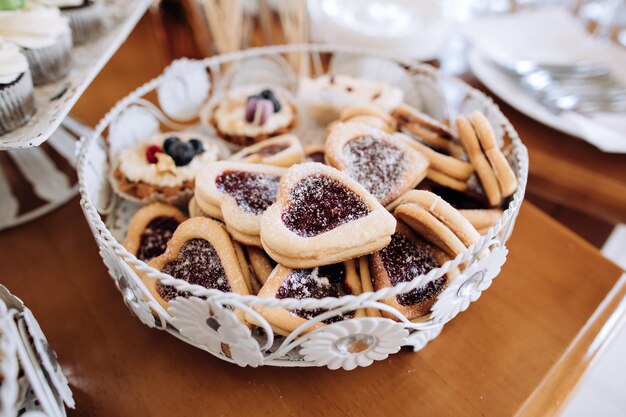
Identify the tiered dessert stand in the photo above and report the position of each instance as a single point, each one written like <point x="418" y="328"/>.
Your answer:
<point x="25" y="162"/>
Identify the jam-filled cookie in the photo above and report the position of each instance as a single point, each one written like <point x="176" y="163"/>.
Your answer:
<point x="324" y="281"/>
<point x="437" y="221"/>
<point x="250" y="114"/>
<point x="242" y="192"/>
<point x="443" y="169"/>
<point x="472" y="205"/>
<point x="200" y="252"/>
<point x="404" y="259"/>
<point x="283" y="151"/>
<point x="384" y="165"/>
<point x="369" y="116"/>
<point x="150" y="228"/>
<point x="493" y="170"/>
<point x="325" y="97"/>
<point x="323" y="216"/>
<point x="314" y="153"/>
<point x="163" y="168"/>
<point x="424" y="128"/>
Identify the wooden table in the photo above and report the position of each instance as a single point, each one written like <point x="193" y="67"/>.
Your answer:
<point x="518" y="351"/>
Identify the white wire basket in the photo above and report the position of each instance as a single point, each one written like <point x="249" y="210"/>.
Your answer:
<point x="207" y="319"/>
<point x="32" y="382"/>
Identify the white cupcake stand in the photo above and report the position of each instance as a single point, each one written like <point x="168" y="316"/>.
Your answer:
<point x="27" y="163"/>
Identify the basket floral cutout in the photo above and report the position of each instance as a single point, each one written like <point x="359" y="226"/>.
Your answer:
<point x="353" y="343"/>
<point x="210" y="319"/>
<point x="467" y="288"/>
<point x="215" y="328"/>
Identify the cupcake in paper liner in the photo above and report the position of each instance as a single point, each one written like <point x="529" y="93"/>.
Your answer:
<point x="45" y="38"/>
<point x="17" y="104"/>
<point x="85" y="17"/>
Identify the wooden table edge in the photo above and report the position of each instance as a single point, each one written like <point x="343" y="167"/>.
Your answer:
<point x="560" y="382"/>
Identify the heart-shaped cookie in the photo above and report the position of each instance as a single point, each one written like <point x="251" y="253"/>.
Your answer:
<point x="443" y="169"/>
<point x="323" y="216"/>
<point x="202" y="253"/>
<point x="437" y="221"/>
<point x="472" y="205"/>
<point x="404" y="259"/>
<point x="384" y="165"/>
<point x="150" y="228"/>
<point x="493" y="170"/>
<point x="242" y="192"/>
<point x="282" y="151"/>
<point x="324" y="281"/>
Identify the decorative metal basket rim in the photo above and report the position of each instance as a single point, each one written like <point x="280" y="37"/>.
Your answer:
<point x="518" y="150"/>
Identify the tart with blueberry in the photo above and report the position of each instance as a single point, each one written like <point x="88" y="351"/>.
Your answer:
<point x="164" y="168"/>
<point x="250" y="114"/>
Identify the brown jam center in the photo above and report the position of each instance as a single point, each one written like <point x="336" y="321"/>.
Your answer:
<point x="154" y="238"/>
<point x="375" y="164"/>
<point x="316" y="157"/>
<point x="253" y="191"/>
<point x="319" y="203"/>
<point x="404" y="260"/>
<point x="267" y="150"/>
<point x="320" y="282"/>
<point x="197" y="263"/>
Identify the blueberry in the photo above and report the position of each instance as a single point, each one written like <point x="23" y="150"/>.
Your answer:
<point x="276" y="104"/>
<point x="181" y="152"/>
<point x="196" y="145"/>
<point x="267" y="94"/>
<point x="169" y="142"/>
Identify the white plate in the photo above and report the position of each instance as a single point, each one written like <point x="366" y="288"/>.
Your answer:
<point x="513" y="94"/>
<point x="87" y="61"/>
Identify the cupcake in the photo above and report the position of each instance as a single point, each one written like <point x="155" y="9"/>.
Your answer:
<point x="16" y="88"/>
<point x="45" y="38"/>
<point x="85" y="17"/>
<point x="250" y="114"/>
<point x="164" y="168"/>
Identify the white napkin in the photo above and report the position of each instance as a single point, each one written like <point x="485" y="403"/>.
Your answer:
<point x="553" y="35"/>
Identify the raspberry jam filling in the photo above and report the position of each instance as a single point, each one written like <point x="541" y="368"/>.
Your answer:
<point x="154" y="238"/>
<point x="254" y="192"/>
<point x="375" y="164"/>
<point x="197" y="263"/>
<point x="316" y="157"/>
<point x="319" y="282"/>
<point x="404" y="260"/>
<point x="319" y="203"/>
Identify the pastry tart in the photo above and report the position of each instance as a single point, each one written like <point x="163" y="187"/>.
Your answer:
<point x="322" y="216"/>
<point x="404" y="259"/>
<point x="437" y="221"/>
<point x="384" y="165"/>
<point x="201" y="253"/>
<point x="493" y="170"/>
<point x="150" y="228"/>
<point x="241" y="192"/>
<point x="164" y="168"/>
<point x="250" y="114"/>
<point x="325" y="97"/>
<point x="283" y="151"/>
<point x="319" y="282"/>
